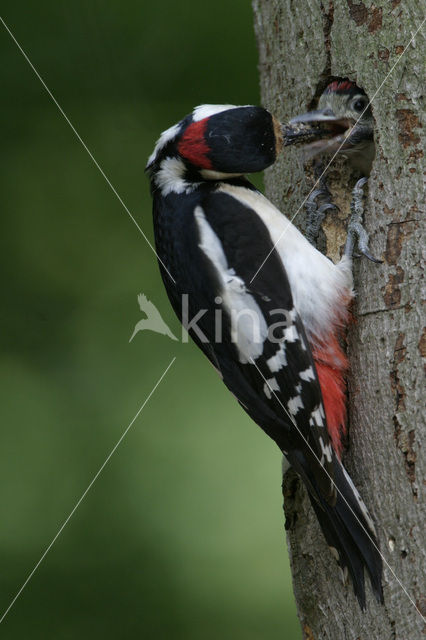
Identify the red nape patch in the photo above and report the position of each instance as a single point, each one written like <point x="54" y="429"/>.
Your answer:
<point x="193" y="146"/>
<point x="340" y="86"/>
<point x="331" y="364"/>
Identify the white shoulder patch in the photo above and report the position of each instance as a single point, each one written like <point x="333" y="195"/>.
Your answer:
<point x="248" y="325"/>
<point x="207" y="110"/>
<point x="321" y="290"/>
<point x="210" y="243"/>
<point x="165" y="137"/>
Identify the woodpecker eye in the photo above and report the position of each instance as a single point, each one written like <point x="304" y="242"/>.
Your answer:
<point x="359" y="104"/>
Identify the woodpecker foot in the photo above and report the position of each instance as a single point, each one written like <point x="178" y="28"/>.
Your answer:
<point x="316" y="206"/>
<point x="356" y="232"/>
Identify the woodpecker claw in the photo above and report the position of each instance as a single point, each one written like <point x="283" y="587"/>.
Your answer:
<point x="355" y="229"/>
<point x="327" y="205"/>
<point x="314" y="195"/>
<point x="360" y="183"/>
<point x="316" y="210"/>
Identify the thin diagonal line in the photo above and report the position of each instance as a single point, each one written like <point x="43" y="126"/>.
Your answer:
<point x="83" y="495"/>
<point x="341" y="494"/>
<point x="84" y="145"/>
<point x="341" y="145"/>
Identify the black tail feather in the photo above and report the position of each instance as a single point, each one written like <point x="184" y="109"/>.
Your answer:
<point x="348" y="528"/>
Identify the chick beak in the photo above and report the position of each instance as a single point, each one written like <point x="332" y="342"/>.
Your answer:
<point x="319" y="131"/>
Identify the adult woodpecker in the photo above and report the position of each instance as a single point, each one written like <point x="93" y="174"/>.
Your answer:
<point x="343" y="124"/>
<point x="223" y="246"/>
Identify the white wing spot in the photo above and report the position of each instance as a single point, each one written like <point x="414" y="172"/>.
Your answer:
<point x="317" y="417"/>
<point x="307" y="375"/>
<point x="279" y="360"/>
<point x="292" y="314"/>
<point x="290" y="334"/>
<point x="270" y="385"/>
<point x="326" y="452"/>
<point x="294" y="404"/>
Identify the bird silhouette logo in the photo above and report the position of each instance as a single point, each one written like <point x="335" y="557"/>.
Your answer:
<point x="153" y="320"/>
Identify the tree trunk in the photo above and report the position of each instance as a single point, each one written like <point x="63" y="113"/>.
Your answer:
<point x="301" y="46"/>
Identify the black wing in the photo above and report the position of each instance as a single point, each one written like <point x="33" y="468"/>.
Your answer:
<point x="272" y="374"/>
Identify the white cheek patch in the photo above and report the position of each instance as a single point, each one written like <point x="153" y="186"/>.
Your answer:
<point x="170" y="177"/>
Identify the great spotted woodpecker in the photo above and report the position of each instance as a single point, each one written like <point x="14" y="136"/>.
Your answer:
<point x="213" y="232"/>
<point x="343" y="123"/>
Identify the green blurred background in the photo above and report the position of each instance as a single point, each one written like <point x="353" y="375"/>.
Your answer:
<point x="181" y="536"/>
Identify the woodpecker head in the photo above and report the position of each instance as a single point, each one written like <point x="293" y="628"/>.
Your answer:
<point x="343" y="122"/>
<point x="215" y="142"/>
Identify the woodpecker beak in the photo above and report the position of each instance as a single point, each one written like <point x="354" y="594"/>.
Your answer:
<point x="319" y="131"/>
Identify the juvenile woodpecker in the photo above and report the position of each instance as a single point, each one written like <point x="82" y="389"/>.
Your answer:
<point x="343" y="122"/>
<point x="222" y="245"/>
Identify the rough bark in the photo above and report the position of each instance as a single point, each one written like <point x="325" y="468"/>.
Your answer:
<point x="301" y="46"/>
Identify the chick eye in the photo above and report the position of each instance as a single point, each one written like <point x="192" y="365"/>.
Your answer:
<point x="359" y="104"/>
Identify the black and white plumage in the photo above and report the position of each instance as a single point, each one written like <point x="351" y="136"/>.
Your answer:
<point x="213" y="231"/>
